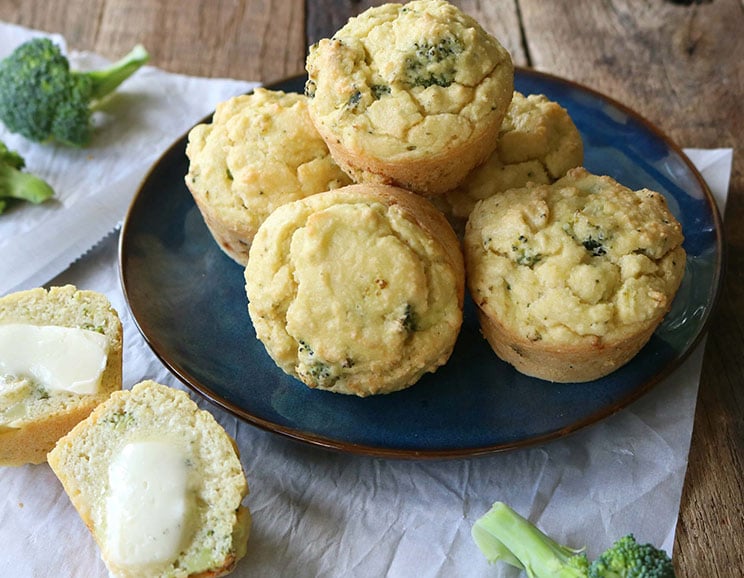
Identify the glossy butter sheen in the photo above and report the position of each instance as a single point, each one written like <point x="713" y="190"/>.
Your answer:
<point x="57" y="358"/>
<point x="148" y="505"/>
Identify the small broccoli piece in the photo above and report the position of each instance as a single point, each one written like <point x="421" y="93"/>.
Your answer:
<point x="502" y="534"/>
<point x="433" y="63"/>
<point x="42" y="99"/>
<point x="12" y="158"/>
<point x="524" y="254"/>
<point x="379" y="90"/>
<point x="595" y="245"/>
<point x="16" y="184"/>
<point x="627" y="558"/>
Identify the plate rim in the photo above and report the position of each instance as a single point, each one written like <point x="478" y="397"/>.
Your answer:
<point x="324" y="442"/>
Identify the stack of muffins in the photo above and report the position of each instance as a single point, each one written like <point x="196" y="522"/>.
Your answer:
<point x="347" y="206"/>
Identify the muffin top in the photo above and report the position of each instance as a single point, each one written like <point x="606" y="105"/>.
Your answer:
<point x="407" y="81"/>
<point x="260" y="151"/>
<point x="538" y="142"/>
<point x="581" y="258"/>
<point x="357" y="290"/>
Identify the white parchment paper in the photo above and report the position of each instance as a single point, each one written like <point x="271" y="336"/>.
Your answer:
<point x="319" y="513"/>
<point x="94" y="185"/>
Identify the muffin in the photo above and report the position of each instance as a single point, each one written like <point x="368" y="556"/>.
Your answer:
<point x="357" y="291"/>
<point x="60" y="356"/>
<point x="571" y="279"/>
<point x="159" y="484"/>
<point x="411" y="95"/>
<point x="260" y="150"/>
<point x="538" y="142"/>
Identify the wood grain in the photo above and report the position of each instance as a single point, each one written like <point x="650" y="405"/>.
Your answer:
<point x="681" y="67"/>
<point x="679" y="64"/>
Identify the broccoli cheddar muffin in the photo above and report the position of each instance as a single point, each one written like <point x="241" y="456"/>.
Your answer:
<point x="260" y="150"/>
<point x="571" y="279"/>
<point x="538" y="143"/>
<point x="358" y="290"/>
<point x="411" y="95"/>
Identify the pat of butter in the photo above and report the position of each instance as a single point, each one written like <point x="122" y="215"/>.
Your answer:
<point x="148" y="504"/>
<point x="57" y="358"/>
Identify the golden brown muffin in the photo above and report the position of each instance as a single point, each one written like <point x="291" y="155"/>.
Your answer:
<point x="35" y="409"/>
<point x="358" y="290"/>
<point x="410" y="94"/>
<point x="538" y="143"/>
<point x="571" y="279"/>
<point x="260" y="150"/>
<point x="158" y="483"/>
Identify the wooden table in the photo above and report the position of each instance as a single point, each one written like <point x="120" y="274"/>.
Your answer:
<point x="679" y="64"/>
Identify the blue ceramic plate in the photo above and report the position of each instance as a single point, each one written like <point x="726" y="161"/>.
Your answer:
<point x="188" y="300"/>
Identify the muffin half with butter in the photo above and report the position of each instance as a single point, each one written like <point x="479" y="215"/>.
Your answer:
<point x="159" y="484"/>
<point x="60" y="356"/>
<point x="572" y="279"/>
<point x="260" y="150"/>
<point x="411" y="94"/>
<point x="357" y="291"/>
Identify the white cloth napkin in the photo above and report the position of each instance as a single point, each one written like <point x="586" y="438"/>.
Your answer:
<point x="318" y="513"/>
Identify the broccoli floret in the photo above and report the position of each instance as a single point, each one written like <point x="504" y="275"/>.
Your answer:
<point x="627" y="558"/>
<point x="16" y="184"/>
<point x="42" y="99"/>
<point x="502" y="534"/>
<point x="433" y="63"/>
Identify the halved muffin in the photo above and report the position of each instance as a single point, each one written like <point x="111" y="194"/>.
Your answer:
<point x="60" y="356"/>
<point x="159" y="484"/>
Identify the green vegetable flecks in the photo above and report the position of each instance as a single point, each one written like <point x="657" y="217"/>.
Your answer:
<point x="17" y="184"/>
<point x="433" y="63"/>
<point x="43" y="100"/>
<point x="502" y="534"/>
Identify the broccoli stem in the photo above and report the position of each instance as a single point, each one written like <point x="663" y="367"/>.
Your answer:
<point x="25" y="186"/>
<point x="502" y="534"/>
<point x="106" y="80"/>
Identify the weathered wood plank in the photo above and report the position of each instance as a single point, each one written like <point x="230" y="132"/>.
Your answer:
<point x="679" y="65"/>
<point x="249" y="40"/>
<point x="499" y="18"/>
